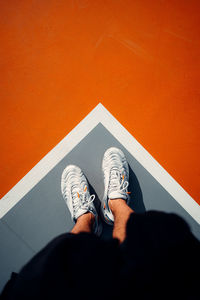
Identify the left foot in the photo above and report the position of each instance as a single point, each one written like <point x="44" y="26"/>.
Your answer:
<point x="75" y="191"/>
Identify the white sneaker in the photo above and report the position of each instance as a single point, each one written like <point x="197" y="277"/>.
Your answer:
<point x="75" y="191"/>
<point x="116" y="180"/>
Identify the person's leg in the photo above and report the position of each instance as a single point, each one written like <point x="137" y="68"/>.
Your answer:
<point x="84" y="223"/>
<point x="75" y="191"/>
<point x="121" y="212"/>
<point x="114" y="207"/>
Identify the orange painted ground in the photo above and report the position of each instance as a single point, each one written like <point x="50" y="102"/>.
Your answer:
<point x="140" y="59"/>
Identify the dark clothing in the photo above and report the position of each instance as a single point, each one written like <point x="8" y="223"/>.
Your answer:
<point x="158" y="260"/>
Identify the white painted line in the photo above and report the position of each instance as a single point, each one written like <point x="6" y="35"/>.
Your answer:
<point x="150" y="164"/>
<point x="99" y="115"/>
<point x="48" y="162"/>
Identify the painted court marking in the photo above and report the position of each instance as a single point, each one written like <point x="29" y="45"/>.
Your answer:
<point x="99" y="115"/>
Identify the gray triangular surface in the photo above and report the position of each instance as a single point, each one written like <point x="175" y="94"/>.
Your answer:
<point x="42" y="213"/>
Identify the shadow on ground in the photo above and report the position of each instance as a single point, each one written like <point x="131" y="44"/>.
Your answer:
<point x="136" y="202"/>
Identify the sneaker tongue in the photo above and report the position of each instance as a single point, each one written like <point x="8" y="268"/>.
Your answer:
<point x="117" y="195"/>
<point x="83" y="211"/>
<point x="80" y="212"/>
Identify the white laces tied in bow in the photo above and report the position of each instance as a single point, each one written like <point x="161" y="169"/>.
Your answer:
<point x="80" y="201"/>
<point x="115" y="185"/>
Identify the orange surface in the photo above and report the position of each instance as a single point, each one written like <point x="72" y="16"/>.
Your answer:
<point x="140" y="59"/>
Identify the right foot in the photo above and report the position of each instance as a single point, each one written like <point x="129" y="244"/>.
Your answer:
<point x="116" y="180"/>
<point x="75" y="191"/>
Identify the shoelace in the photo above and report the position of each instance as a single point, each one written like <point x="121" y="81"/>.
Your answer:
<point x="115" y="185"/>
<point x="79" y="199"/>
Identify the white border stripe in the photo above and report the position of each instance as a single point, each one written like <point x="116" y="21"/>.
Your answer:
<point x="151" y="165"/>
<point x="99" y="115"/>
<point x="48" y="162"/>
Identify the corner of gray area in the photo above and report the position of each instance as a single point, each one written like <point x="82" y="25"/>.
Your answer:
<point x="14" y="253"/>
<point x="42" y="213"/>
